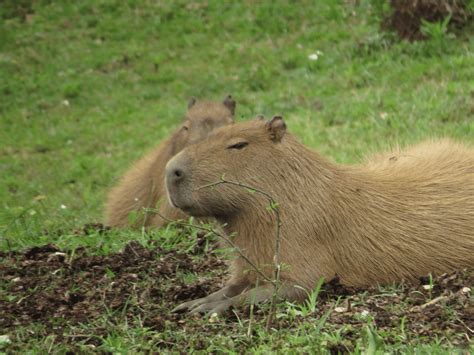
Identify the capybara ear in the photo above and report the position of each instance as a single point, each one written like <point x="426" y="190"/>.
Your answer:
<point x="230" y="103"/>
<point x="191" y="102"/>
<point x="277" y="128"/>
<point x="260" y="117"/>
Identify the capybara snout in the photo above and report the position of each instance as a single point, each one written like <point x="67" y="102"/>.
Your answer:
<point x="177" y="176"/>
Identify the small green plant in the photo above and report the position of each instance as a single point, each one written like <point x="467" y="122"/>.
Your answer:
<point x="110" y="274"/>
<point x="309" y="306"/>
<point x="436" y="31"/>
<point x="402" y="335"/>
<point x="374" y="342"/>
<point x="429" y="286"/>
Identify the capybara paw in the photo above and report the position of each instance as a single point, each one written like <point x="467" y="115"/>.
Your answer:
<point x="188" y="305"/>
<point x="216" y="307"/>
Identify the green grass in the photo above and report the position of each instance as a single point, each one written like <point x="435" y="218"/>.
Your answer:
<point x="87" y="87"/>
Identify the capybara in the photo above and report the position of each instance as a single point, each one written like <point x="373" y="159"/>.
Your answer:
<point x="142" y="186"/>
<point x="404" y="215"/>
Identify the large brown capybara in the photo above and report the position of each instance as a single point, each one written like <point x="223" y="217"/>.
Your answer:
<point x="143" y="185"/>
<point x="398" y="217"/>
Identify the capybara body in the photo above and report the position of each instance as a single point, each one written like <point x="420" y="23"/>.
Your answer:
<point x="400" y="216"/>
<point x="142" y="186"/>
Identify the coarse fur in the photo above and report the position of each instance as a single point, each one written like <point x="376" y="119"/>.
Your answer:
<point x="399" y="216"/>
<point x="142" y="186"/>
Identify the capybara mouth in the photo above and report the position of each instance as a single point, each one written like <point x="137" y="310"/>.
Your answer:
<point x="171" y="192"/>
<point x="190" y="209"/>
<point x="172" y="202"/>
<point x="176" y="200"/>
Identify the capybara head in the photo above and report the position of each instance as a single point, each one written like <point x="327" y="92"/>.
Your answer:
<point x="143" y="185"/>
<point x="202" y="118"/>
<point x="246" y="152"/>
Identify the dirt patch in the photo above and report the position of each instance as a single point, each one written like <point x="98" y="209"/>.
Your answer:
<point x="61" y="289"/>
<point x="440" y="308"/>
<point x="57" y="288"/>
<point x="406" y="17"/>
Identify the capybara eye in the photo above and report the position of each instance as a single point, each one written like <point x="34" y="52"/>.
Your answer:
<point x="185" y="128"/>
<point x="239" y="145"/>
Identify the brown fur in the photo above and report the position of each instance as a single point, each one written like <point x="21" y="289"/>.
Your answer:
<point x="399" y="216"/>
<point x="142" y="185"/>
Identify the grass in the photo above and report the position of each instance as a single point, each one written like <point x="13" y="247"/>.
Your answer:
<point x="87" y="87"/>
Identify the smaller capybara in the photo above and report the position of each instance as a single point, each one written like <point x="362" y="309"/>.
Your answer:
<point x="143" y="185"/>
<point x="398" y="217"/>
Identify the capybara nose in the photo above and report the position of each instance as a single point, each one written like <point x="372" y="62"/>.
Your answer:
<point x="175" y="175"/>
<point x="175" y="172"/>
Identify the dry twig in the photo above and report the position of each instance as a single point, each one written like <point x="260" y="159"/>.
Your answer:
<point x="275" y="208"/>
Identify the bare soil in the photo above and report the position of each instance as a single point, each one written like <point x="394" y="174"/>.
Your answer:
<point x="60" y="289"/>
<point x="406" y="17"/>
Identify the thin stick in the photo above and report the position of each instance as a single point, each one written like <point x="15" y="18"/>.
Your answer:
<point x="273" y="205"/>
<point x="275" y="208"/>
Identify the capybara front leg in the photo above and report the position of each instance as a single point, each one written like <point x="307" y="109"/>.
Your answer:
<point x="251" y="296"/>
<point x="224" y="293"/>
